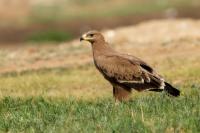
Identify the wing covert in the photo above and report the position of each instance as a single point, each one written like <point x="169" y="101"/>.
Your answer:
<point x="121" y="69"/>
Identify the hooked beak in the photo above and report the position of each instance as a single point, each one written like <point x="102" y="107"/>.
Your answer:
<point x="81" y="39"/>
<point x="84" y="38"/>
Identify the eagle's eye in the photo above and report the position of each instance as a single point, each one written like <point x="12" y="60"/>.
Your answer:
<point x="91" y="35"/>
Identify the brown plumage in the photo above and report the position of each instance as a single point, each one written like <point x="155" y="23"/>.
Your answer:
<point x="125" y="72"/>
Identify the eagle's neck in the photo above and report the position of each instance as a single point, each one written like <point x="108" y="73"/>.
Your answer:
<point x="101" y="48"/>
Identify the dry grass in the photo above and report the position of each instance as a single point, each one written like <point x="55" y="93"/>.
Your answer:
<point x="57" y="83"/>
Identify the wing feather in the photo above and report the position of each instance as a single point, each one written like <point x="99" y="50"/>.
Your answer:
<point x="128" y="71"/>
<point x="121" y="69"/>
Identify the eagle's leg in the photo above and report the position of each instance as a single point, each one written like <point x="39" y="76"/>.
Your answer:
<point x="121" y="93"/>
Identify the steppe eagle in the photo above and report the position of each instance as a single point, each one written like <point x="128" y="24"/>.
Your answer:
<point x="125" y="72"/>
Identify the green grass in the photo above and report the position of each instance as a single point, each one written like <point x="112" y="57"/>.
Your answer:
<point x="85" y="9"/>
<point x="153" y="113"/>
<point x="50" y="36"/>
<point x="40" y="101"/>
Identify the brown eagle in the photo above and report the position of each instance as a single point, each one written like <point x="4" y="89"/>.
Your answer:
<point x="123" y="71"/>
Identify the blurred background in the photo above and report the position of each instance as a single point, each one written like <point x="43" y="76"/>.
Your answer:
<point x="39" y="21"/>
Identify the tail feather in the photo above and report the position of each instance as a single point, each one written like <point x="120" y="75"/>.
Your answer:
<point x="171" y="90"/>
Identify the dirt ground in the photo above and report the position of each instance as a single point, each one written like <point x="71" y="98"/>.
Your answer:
<point x="158" y="41"/>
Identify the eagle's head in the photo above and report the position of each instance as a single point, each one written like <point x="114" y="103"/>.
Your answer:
<point x="92" y="37"/>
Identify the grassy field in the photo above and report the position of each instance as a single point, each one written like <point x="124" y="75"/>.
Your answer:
<point x="59" y="100"/>
<point x="56" y="88"/>
<point x="75" y="100"/>
<point x="147" y="113"/>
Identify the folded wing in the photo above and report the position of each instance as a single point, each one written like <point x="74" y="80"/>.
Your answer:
<point x="130" y="72"/>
